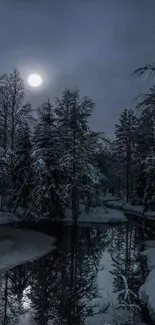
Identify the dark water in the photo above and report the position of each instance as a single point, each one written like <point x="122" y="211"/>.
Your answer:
<point x="79" y="282"/>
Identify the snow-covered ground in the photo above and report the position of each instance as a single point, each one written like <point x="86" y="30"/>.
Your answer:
<point x="98" y="215"/>
<point x="108" y="197"/>
<point x="147" y="290"/>
<point x="18" y="246"/>
<point x="6" y="218"/>
<point x="129" y="208"/>
<point x="115" y="204"/>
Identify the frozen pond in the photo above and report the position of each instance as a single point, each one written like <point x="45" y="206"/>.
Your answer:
<point x="80" y="282"/>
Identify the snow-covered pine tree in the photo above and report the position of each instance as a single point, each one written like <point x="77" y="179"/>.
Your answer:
<point x="116" y="172"/>
<point x="149" y="192"/>
<point x="46" y="199"/>
<point x="146" y="150"/>
<point x="21" y="169"/>
<point x="147" y="137"/>
<point x="77" y="145"/>
<point x="125" y="148"/>
<point x="99" y="147"/>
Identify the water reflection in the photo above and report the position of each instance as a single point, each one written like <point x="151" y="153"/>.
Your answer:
<point x="62" y="288"/>
<point x="127" y="259"/>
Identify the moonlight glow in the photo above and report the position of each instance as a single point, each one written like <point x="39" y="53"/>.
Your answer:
<point x="34" y="80"/>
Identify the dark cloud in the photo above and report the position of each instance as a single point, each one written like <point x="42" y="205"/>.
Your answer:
<point x="91" y="44"/>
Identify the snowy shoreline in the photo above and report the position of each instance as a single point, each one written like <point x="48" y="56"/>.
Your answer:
<point x="136" y="210"/>
<point x="8" y="218"/>
<point x="19" y="246"/>
<point x="96" y="215"/>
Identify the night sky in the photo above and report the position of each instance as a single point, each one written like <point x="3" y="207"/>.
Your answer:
<point x="93" y="45"/>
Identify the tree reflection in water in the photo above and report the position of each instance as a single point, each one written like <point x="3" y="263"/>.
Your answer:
<point x="61" y="286"/>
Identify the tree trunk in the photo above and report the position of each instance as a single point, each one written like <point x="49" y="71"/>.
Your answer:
<point x="127" y="181"/>
<point x="74" y="182"/>
<point x="128" y="161"/>
<point x="5" y="132"/>
<point x="12" y="133"/>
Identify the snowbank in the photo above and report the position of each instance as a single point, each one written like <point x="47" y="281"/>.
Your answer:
<point x="147" y="290"/>
<point x="137" y="210"/>
<point x="150" y="215"/>
<point x="108" y="197"/>
<point x="98" y="215"/>
<point x="134" y="209"/>
<point x="126" y="207"/>
<point x="18" y="246"/>
<point x="115" y="204"/>
<point x="6" y="217"/>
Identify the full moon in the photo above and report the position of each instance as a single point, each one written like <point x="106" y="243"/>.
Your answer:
<point x="34" y="80"/>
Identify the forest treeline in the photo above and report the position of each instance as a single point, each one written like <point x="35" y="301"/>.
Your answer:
<point x="50" y="159"/>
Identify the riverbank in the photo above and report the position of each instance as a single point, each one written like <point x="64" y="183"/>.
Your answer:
<point x="18" y="246"/>
<point x="8" y="218"/>
<point x="127" y="208"/>
<point x="95" y="215"/>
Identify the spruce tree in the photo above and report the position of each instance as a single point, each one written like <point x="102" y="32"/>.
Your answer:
<point x="46" y="198"/>
<point x="125" y="148"/>
<point x="146" y="143"/>
<point x="77" y="144"/>
<point x="21" y="169"/>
